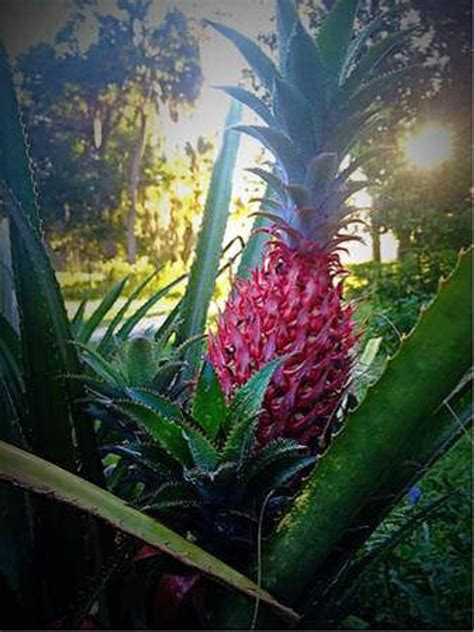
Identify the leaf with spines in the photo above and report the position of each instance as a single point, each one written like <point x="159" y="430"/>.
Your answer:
<point x="269" y="455"/>
<point x="106" y="339"/>
<point x="360" y="40"/>
<point x="306" y="71"/>
<point x="360" y="98"/>
<point x="209" y="407"/>
<point x="247" y="400"/>
<point x="280" y="472"/>
<point x="251" y="101"/>
<point x="205" y="268"/>
<point x="374" y="56"/>
<point x="293" y="111"/>
<point x="149" y="457"/>
<point x="159" y="403"/>
<point x="336" y="33"/>
<point x="167" y="433"/>
<point x="280" y="145"/>
<point x="287" y="16"/>
<point x="101" y="367"/>
<point x="273" y="181"/>
<point x="260" y="63"/>
<point x="240" y="440"/>
<point x="135" y="318"/>
<point x="88" y="327"/>
<point x="173" y="496"/>
<point x="204" y="453"/>
<point x="137" y="359"/>
<point x="78" y="319"/>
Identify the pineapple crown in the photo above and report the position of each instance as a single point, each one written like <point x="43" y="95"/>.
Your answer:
<point x="323" y="100"/>
<point x="199" y="464"/>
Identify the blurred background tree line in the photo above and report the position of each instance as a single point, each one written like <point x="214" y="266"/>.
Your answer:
<point x="105" y="185"/>
<point x="109" y="191"/>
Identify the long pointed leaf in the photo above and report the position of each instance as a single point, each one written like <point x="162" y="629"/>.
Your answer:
<point x="120" y="315"/>
<point x="281" y="147"/>
<point x="208" y="251"/>
<point x="335" y="34"/>
<point x="209" y="407"/>
<point x="42" y="477"/>
<point x="260" y="63"/>
<point x="131" y="322"/>
<point x="251" y="101"/>
<point x="90" y="325"/>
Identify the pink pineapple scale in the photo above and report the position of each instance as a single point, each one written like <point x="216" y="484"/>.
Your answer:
<point x="291" y="305"/>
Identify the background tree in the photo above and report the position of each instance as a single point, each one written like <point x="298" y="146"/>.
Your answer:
<point x="90" y="113"/>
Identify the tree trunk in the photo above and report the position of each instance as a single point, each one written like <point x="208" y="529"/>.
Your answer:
<point x="134" y="182"/>
<point x="403" y="244"/>
<point x="376" y="250"/>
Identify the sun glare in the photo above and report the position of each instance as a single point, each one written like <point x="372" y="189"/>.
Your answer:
<point x="429" y="147"/>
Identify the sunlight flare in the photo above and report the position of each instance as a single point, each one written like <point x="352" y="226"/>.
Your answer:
<point x="429" y="147"/>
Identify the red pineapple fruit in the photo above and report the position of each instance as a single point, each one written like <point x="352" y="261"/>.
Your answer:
<point x="292" y="305"/>
<point x="322" y="99"/>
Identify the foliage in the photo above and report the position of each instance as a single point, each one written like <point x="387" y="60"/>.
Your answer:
<point x="38" y="475"/>
<point x="38" y="407"/>
<point x="205" y="268"/>
<point x="425" y="581"/>
<point x="389" y="296"/>
<point x="86" y="109"/>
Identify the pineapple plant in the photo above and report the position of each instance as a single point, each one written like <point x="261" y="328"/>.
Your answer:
<point x="322" y="100"/>
<point x="196" y="465"/>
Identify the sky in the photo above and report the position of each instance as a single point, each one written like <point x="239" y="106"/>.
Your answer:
<point x="26" y="22"/>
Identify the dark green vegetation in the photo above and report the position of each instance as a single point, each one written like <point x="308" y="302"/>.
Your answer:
<point x="143" y="449"/>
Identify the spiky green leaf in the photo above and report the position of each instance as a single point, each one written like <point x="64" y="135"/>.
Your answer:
<point x="104" y="344"/>
<point x="281" y="147"/>
<point x="209" y="407"/>
<point x="135" y="318"/>
<point x="293" y="111"/>
<point x="251" y="101"/>
<point x="148" y="457"/>
<point x="260" y="63"/>
<point x="40" y="476"/>
<point x="86" y="331"/>
<point x="160" y="404"/>
<point x="166" y="433"/>
<point x="247" y="400"/>
<point x="287" y="16"/>
<point x="374" y="56"/>
<point x="102" y="368"/>
<point x="305" y="70"/>
<point x="276" y="184"/>
<point x="205" y="454"/>
<point x="335" y="34"/>
<point x="205" y="266"/>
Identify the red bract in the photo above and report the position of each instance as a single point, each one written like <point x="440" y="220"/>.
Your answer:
<point x="290" y="306"/>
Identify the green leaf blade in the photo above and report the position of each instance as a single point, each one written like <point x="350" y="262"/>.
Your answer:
<point x="205" y="267"/>
<point x="209" y="406"/>
<point x="40" y="476"/>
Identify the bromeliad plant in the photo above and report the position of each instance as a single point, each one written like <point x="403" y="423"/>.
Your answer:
<point x="199" y="466"/>
<point x="189" y="444"/>
<point x="322" y="100"/>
